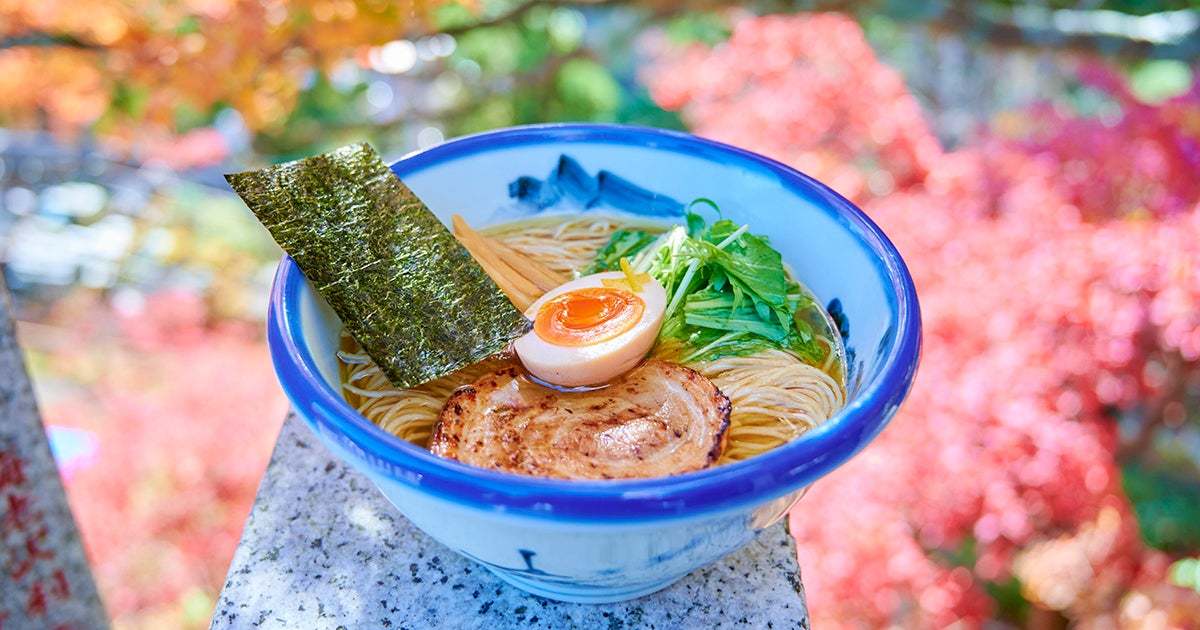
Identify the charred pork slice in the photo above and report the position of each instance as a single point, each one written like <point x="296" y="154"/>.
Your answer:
<point x="659" y="419"/>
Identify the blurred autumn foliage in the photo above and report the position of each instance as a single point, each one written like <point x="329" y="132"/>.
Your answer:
<point x="1041" y="184"/>
<point x="132" y="67"/>
<point x="184" y="410"/>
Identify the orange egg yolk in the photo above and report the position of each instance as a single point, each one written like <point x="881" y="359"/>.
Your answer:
<point x="588" y="316"/>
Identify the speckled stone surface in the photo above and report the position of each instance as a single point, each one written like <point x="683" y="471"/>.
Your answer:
<point x="324" y="549"/>
<point x="45" y="581"/>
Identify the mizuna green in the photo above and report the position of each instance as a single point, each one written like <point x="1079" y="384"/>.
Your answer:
<point x="729" y="292"/>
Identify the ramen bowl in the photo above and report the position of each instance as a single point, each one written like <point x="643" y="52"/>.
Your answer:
<point x="605" y="541"/>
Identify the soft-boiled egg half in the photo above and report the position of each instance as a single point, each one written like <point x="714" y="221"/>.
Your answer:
<point x="592" y="329"/>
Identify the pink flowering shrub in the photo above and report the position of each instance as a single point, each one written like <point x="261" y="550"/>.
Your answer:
<point x="185" y="412"/>
<point x="1059" y="285"/>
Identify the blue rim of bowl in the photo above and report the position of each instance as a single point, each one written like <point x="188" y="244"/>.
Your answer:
<point x="728" y="487"/>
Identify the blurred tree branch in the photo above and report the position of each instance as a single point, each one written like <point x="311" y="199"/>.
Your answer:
<point x="969" y="19"/>
<point x="1009" y="34"/>
<point x="519" y="11"/>
<point x="976" y="20"/>
<point x="996" y="23"/>
<point x="39" y="39"/>
<point x="537" y="79"/>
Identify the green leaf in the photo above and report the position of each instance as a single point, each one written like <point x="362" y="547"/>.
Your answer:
<point x="695" y="224"/>
<point x="717" y="280"/>
<point x="806" y="347"/>
<point x="764" y="311"/>
<point x="695" y="220"/>
<point x="622" y="244"/>
<point x="712" y="309"/>
<point x="735" y="293"/>
<point x="720" y="231"/>
<point x="759" y="268"/>
<point x="402" y="285"/>
<point x="710" y="344"/>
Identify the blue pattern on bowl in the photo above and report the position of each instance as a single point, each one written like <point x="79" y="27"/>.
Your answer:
<point x="569" y="183"/>
<point x="598" y="541"/>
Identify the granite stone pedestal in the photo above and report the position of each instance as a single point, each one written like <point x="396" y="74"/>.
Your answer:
<point x="45" y="581"/>
<point x="324" y="549"/>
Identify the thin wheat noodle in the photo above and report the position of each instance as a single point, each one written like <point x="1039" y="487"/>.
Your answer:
<point x="775" y="395"/>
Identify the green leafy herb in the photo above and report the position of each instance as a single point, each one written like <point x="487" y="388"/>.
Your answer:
<point x="717" y="309"/>
<point x="414" y="299"/>
<point x="728" y="293"/>
<point x="622" y="244"/>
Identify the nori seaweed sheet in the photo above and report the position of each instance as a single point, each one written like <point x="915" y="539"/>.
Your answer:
<point x="403" y="286"/>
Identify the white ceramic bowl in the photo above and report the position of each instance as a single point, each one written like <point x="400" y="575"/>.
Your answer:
<point x="604" y="541"/>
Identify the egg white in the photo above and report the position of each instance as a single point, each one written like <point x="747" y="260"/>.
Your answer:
<point x="593" y="364"/>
